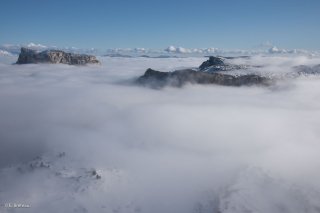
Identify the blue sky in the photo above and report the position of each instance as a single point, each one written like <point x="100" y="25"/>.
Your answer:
<point x="229" y="24"/>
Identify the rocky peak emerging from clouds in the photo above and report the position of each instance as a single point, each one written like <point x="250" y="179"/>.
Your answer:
<point x="212" y="61"/>
<point x="178" y="78"/>
<point x="29" y="56"/>
<point x="214" y="64"/>
<point x="209" y="72"/>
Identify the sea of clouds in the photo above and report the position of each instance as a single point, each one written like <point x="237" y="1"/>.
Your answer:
<point x="85" y="139"/>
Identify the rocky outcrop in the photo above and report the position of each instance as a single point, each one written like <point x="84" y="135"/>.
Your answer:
<point x="214" y="64"/>
<point x="212" y="61"/>
<point x="209" y="72"/>
<point x="29" y="56"/>
<point x="158" y="79"/>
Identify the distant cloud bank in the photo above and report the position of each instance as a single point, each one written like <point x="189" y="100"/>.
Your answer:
<point x="265" y="49"/>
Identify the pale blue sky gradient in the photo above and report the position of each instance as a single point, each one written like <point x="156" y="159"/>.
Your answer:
<point x="229" y="24"/>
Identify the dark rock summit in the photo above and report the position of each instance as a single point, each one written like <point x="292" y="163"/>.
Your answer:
<point x="212" y="61"/>
<point x="214" y="64"/>
<point x="28" y="56"/>
<point x="178" y="78"/>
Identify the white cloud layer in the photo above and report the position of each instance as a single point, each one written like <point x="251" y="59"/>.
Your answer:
<point x="264" y="49"/>
<point x="4" y="53"/>
<point x="36" y="46"/>
<point x="194" y="149"/>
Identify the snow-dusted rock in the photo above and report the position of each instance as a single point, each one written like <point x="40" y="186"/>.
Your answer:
<point x="206" y="74"/>
<point x="29" y="56"/>
<point x="178" y="78"/>
<point x="214" y="64"/>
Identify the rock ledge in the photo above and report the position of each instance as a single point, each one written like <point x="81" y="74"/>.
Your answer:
<point x="29" y="56"/>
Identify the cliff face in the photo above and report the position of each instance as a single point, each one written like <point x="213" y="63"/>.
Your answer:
<point x="28" y="56"/>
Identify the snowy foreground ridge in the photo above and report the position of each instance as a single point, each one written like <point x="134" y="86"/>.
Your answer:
<point x="83" y="139"/>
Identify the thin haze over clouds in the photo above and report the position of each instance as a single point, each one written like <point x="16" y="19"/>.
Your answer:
<point x="193" y="149"/>
<point x="290" y="24"/>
